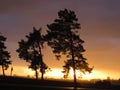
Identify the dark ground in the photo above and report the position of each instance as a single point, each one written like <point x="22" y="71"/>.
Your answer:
<point x="18" y="83"/>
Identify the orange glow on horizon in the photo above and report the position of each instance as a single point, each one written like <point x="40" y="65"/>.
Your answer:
<point x="57" y="74"/>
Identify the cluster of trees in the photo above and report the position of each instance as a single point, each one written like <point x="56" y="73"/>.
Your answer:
<point x="64" y="39"/>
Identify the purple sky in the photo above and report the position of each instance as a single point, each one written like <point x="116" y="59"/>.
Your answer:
<point x="99" y="21"/>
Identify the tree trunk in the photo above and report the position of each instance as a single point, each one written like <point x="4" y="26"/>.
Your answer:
<point x="74" y="70"/>
<point x="36" y="74"/>
<point x="11" y="71"/>
<point x="42" y="73"/>
<point x="73" y="62"/>
<point x="3" y="70"/>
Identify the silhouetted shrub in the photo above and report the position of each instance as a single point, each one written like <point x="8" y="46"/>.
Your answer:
<point x="104" y="83"/>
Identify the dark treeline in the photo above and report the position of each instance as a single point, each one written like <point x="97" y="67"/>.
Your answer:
<point x="19" y="83"/>
<point x="64" y="39"/>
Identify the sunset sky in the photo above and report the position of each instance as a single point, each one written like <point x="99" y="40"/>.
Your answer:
<point x="100" y="30"/>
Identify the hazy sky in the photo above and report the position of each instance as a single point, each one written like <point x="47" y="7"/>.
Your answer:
<point x="99" y="21"/>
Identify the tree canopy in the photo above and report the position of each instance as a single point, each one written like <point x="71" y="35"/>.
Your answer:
<point x="31" y="51"/>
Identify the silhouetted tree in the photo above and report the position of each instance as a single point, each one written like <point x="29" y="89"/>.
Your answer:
<point x="4" y="55"/>
<point x="30" y="51"/>
<point x="80" y="65"/>
<point x="63" y="36"/>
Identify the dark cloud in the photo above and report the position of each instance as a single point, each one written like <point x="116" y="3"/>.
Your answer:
<point x="98" y="18"/>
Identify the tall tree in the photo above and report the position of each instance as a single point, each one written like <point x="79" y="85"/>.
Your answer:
<point x="63" y="36"/>
<point x="4" y="55"/>
<point x="31" y="51"/>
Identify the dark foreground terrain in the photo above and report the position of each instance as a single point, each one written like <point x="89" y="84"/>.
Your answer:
<point x="17" y="83"/>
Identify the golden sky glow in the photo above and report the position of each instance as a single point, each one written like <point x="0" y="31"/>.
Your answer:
<point x="56" y="73"/>
<point x="100" y="30"/>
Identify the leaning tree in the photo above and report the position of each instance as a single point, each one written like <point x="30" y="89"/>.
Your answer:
<point x="63" y="37"/>
<point x="31" y="51"/>
<point x="4" y="55"/>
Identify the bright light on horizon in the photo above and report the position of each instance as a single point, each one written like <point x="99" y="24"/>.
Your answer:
<point x="56" y="73"/>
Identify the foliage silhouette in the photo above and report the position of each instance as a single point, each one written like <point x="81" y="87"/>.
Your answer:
<point x="30" y="51"/>
<point x="63" y="37"/>
<point x="80" y="65"/>
<point x="4" y="55"/>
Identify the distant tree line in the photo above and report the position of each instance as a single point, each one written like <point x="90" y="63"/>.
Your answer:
<point x="64" y="39"/>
